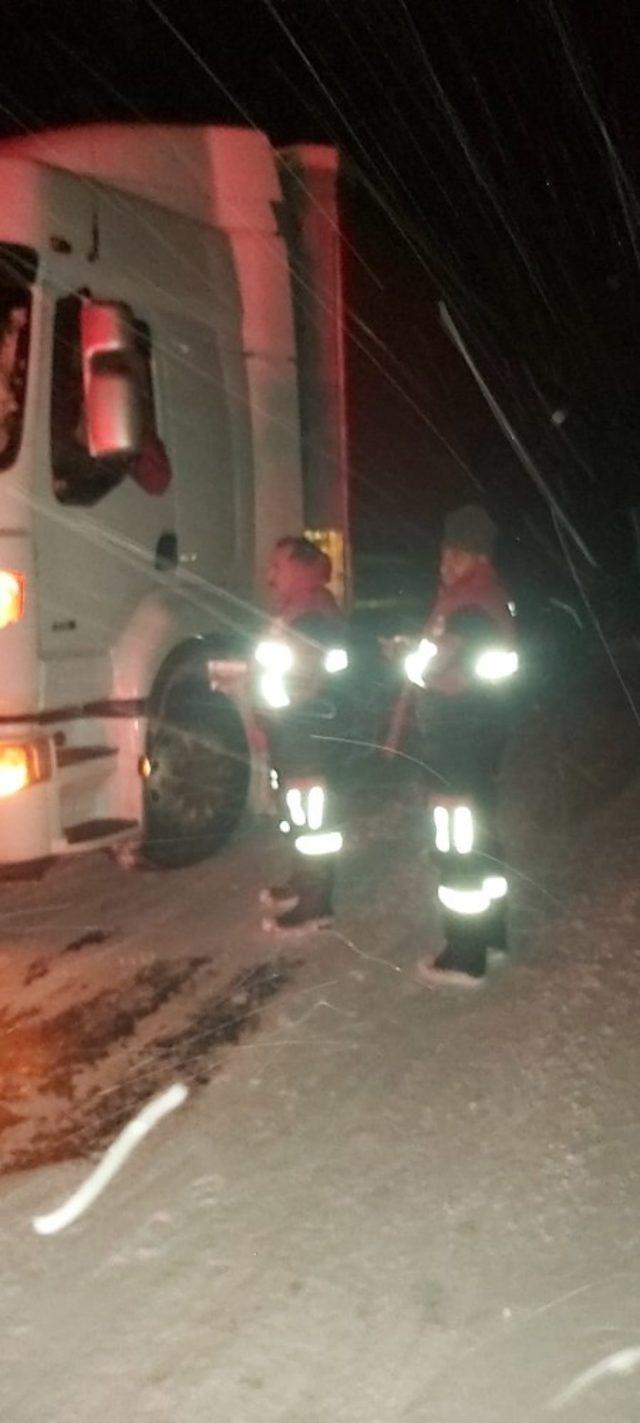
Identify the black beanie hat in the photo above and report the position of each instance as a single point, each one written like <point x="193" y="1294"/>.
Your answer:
<point x="471" y="529"/>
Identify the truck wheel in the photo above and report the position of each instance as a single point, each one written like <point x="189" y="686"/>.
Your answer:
<point x="197" y="775"/>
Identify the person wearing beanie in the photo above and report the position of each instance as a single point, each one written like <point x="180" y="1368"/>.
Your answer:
<point x="463" y="669"/>
<point x="300" y="692"/>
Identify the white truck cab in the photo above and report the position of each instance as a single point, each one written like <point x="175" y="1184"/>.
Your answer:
<point x="171" y="402"/>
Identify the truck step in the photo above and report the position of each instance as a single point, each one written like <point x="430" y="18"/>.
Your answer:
<point x="78" y="755"/>
<point x="88" y="831"/>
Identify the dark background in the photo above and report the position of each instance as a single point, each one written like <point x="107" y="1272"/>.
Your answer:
<point x="491" y="155"/>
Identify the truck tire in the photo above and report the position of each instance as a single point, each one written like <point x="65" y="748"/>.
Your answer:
<point x="198" y="765"/>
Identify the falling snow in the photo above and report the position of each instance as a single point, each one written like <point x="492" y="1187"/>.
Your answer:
<point x="376" y="1205"/>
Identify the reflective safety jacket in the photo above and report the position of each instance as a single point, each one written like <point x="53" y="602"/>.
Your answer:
<point x="469" y="641"/>
<point x="302" y="652"/>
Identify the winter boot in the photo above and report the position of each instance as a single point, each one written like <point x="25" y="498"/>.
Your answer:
<point x="436" y="973"/>
<point x="306" y="902"/>
<point x="463" y="961"/>
<point x="280" y="898"/>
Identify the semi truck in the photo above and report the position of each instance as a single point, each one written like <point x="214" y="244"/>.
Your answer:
<point x="172" y="401"/>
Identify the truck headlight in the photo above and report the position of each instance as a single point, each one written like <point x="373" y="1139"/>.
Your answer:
<point x="11" y="597"/>
<point x="22" y="765"/>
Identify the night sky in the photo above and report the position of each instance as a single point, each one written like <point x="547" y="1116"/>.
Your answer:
<point x="491" y="158"/>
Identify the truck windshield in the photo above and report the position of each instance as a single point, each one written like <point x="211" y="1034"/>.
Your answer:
<point x="17" y="270"/>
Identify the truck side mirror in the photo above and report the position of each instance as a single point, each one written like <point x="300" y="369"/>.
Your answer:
<point x="112" y="393"/>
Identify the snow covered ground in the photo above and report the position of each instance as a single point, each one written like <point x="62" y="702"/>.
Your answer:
<point x="378" y="1205"/>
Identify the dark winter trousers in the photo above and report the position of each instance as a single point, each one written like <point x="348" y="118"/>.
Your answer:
<point x="305" y="760"/>
<point x="462" y="744"/>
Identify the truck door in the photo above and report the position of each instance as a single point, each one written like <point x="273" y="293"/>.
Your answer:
<point x="213" y="485"/>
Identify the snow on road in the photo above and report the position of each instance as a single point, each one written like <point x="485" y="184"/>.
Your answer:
<point x="386" y="1206"/>
<point x="111" y="982"/>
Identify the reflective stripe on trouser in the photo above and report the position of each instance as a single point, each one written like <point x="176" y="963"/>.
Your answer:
<point x="471" y="870"/>
<point x="457" y="827"/>
<point x="307" y="817"/>
<point x="313" y="845"/>
<point x="472" y="886"/>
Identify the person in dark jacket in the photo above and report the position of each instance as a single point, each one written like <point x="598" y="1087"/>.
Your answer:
<point x="464" y="668"/>
<point x="299" y="684"/>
